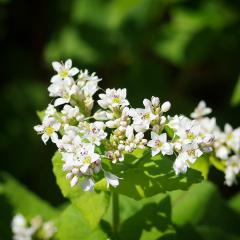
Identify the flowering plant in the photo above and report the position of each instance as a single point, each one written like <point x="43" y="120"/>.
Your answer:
<point x="107" y="147"/>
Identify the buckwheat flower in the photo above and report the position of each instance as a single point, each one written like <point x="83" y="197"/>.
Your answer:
<point x="111" y="179"/>
<point x="85" y="77"/>
<point x="232" y="137"/>
<point x="88" y="157"/>
<point x="48" y="129"/>
<point x="232" y="170"/>
<point x="201" y="110"/>
<point x="51" y="110"/>
<point x="70" y="112"/>
<point x="63" y="90"/>
<point x="142" y="117"/>
<point x="181" y="165"/>
<point x="159" y="143"/>
<point x="113" y="98"/>
<point x="192" y="151"/>
<point x="63" y="70"/>
<point x="222" y="152"/>
<point x="48" y="229"/>
<point x="20" y="228"/>
<point x="88" y="185"/>
<point x="103" y="115"/>
<point x="93" y="132"/>
<point x="187" y="130"/>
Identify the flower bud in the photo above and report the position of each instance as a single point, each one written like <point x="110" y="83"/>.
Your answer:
<point x="166" y="106"/>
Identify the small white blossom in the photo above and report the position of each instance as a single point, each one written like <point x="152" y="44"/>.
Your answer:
<point x="113" y="98"/>
<point x="63" y="90"/>
<point x="88" y="185"/>
<point x="111" y="179"/>
<point x="63" y="70"/>
<point x="70" y="112"/>
<point x="201" y="110"/>
<point x="232" y="170"/>
<point x="24" y="230"/>
<point x="48" y="129"/>
<point x="181" y="165"/>
<point x="93" y="132"/>
<point x="159" y="144"/>
<point x="142" y="117"/>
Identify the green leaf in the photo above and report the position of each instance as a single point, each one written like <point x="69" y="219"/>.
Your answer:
<point x="144" y="176"/>
<point x="236" y="94"/>
<point x="41" y="114"/>
<point x="24" y="201"/>
<point x="149" y="218"/>
<point x="91" y="204"/>
<point x="217" y="163"/>
<point x="73" y="225"/>
<point x="234" y="202"/>
<point x="202" y="165"/>
<point x="202" y="212"/>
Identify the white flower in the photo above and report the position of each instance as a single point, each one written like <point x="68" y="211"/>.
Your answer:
<point x="222" y="152"/>
<point x="93" y="132"/>
<point x="63" y="70"/>
<point x="48" y="129"/>
<point x="87" y="158"/>
<point x="113" y="98"/>
<point x="84" y="77"/>
<point x="192" y="151"/>
<point x="49" y="229"/>
<point x="63" y="89"/>
<point x="23" y="230"/>
<point x="201" y="110"/>
<point x="142" y="117"/>
<point x="50" y="111"/>
<point x="70" y="112"/>
<point x="232" y="137"/>
<point x="159" y="144"/>
<point x="88" y="185"/>
<point x="111" y="179"/>
<point x="232" y="170"/>
<point x="181" y="165"/>
<point x="103" y="115"/>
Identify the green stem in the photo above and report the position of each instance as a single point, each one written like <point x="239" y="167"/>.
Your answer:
<point x="115" y="213"/>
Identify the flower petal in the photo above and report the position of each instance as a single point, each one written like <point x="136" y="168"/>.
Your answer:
<point x="68" y="64"/>
<point x="73" y="71"/>
<point x="57" y="66"/>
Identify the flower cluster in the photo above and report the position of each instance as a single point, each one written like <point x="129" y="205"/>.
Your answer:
<point x="84" y="138"/>
<point x="24" y="230"/>
<point x="226" y="144"/>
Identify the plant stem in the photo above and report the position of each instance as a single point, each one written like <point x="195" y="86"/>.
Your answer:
<point x="115" y="213"/>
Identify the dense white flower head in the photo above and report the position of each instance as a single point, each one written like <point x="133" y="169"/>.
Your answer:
<point x="86" y="135"/>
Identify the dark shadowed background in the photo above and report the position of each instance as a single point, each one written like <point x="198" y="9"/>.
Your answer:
<point x="182" y="51"/>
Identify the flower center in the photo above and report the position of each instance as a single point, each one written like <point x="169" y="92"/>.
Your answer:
<point x="87" y="160"/>
<point x="117" y="100"/>
<point x="63" y="73"/>
<point x="49" y="131"/>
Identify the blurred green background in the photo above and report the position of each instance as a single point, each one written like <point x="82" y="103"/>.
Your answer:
<point x="182" y="51"/>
